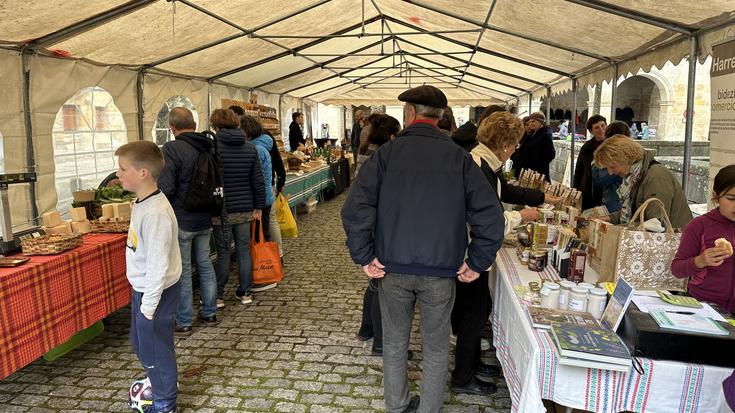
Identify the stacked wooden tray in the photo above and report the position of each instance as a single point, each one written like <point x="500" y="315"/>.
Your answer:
<point x="51" y="244"/>
<point x="109" y="225"/>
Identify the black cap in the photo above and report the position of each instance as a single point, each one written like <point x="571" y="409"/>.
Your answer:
<point x="425" y="95"/>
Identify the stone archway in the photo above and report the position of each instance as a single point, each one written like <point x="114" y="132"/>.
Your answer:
<point x="647" y="97"/>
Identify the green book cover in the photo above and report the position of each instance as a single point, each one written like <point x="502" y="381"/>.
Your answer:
<point x="544" y="317"/>
<point x="590" y="343"/>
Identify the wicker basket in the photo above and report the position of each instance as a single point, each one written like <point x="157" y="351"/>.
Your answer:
<point x="109" y="226"/>
<point x="51" y="244"/>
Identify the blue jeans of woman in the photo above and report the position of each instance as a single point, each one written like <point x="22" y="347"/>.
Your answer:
<point x="223" y="237"/>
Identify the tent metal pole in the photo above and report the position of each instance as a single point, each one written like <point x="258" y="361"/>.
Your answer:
<point x="340" y="75"/>
<point x="459" y="85"/>
<point x="465" y="81"/>
<point x="614" y="92"/>
<point x="630" y="14"/>
<point x="30" y="154"/>
<point x="239" y="35"/>
<point x="691" y="84"/>
<point x="209" y="103"/>
<point x="335" y="87"/>
<point x="530" y="100"/>
<point x="479" y="36"/>
<point x="359" y="35"/>
<point x="472" y="74"/>
<point x="284" y="54"/>
<point x="139" y="101"/>
<point x="479" y="49"/>
<point x="88" y="24"/>
<point x="548" y="103"/>
<point x="317" y="66"/>
<point x="491" y="27"/>
<point x="489" y="69"/>
<point x="574" y="133"/>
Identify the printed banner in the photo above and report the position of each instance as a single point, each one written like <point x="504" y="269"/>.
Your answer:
<point x="722" y="124"/>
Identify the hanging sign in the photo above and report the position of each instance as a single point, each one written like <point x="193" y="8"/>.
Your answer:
<point x="722" y="123"/>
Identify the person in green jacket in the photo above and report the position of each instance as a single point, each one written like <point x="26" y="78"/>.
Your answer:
<point x="643" y="178"/>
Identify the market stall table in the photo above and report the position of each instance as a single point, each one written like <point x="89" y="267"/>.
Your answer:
<point x="51" y="297"/>
<point x="299" y="189"/>
<point x="532" y="370"/>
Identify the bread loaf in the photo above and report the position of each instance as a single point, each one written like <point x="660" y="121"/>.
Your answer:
<point x="723" y="243"/>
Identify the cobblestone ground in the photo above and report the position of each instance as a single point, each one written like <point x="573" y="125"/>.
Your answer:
<point x="293" y="350"/>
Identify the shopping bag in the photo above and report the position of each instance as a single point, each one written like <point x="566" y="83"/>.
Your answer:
<point x="644" y="258"/>
<point x="266" y="260"/>
<point x="285" y="218"/>
<point x="607" y="252"/>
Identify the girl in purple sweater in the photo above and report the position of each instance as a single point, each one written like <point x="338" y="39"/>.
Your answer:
<point x="710" y="269"/>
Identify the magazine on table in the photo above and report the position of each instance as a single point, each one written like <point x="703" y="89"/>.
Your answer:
<point x="687" y="321"/>
<point x="544" y="317"/>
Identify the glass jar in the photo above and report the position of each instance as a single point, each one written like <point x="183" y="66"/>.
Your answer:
<point x="537" y="261"/>
<point x="596" y="302"/>
<point x="564" y="291"/>
<point x="535" y="289"/>
<point x="525" y="256"/>
<point x="550" y="295"/>
<point x="578" y="299"/>
<point x="587" y="286"/>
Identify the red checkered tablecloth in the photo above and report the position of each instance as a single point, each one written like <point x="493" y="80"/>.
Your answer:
<point x="50" y="298"/>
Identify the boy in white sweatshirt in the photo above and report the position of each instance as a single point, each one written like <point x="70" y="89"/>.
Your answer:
<point x="153" y="270"/>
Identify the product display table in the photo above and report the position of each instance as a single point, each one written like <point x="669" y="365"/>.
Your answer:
<point x="50" y="298"/>
<point x="299" y="189"/>
<point x="530" y="364"/>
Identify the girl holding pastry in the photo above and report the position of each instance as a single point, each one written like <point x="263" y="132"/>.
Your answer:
<point x="705" y="254"/>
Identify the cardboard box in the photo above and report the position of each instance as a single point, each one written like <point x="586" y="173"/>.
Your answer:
<point x="108" y="211"/>
<point x="78" y="214"/>
<point x="83" y="227"/>
<point x="52" y="219"/>
<point x="63" y="228"/>
<point x="122" y="211"/>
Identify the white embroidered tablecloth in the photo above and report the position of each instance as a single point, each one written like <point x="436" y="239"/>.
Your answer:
<point x="532" y="372"/>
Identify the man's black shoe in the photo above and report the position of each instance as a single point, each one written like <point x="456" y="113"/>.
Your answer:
<point x="475" y="387"/>
<point x="485" y="372"/>
<point x="208" y="321"/>
<point x="182" y="331"/>
<point x="413" y="405"/>
<point x="378" y="351"/>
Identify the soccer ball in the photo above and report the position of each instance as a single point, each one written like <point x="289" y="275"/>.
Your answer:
<point x="140" y="397"/>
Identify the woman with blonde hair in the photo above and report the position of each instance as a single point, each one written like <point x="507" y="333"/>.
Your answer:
<point x="643" y="178"/>
<point x="497" y="136"/>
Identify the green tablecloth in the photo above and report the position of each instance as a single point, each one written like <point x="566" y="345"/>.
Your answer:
<point x="299" y="189"/>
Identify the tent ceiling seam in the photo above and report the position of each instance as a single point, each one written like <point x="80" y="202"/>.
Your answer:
<point x="479" y="37"/>
<point x="335" y="76"/>
<point x="467" y="81"/>
<point x="633" y="15"/>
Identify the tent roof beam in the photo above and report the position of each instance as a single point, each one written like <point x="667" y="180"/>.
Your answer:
<point x="483" y="50"/>
<point x="633" y="15"/>
<point x="87" y="24"/>
<point x="237" y="36"/>
<point x="296" y="49"/>
<point x="471" y="83"/>
<point x="341" y="74"/>
<point x="491" y="27"/>
<point x="321" y="65"/>
<point x="361" y="35"/>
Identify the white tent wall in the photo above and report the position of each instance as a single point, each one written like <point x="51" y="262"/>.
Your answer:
<point x="52" y="82"/>
<point x="157" y="89"/>
<point x="13" y="132"/>
<point x="220" y="92"/>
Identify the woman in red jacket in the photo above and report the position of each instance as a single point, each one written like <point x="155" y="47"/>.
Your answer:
<point x="710" y="268"/>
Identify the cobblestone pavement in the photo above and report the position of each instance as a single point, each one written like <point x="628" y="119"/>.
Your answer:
<point x="293" y="350"/>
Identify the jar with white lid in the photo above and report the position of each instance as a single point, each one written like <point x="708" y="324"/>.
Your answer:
<point x="587" y="286"/>
<point x="596" y="302"/>
<point x="564" y="291"/>
<point x="550" y="295"/>
<point x="578" y="299"/>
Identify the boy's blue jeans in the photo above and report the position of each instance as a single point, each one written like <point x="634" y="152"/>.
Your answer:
<point x="153" y="343"/>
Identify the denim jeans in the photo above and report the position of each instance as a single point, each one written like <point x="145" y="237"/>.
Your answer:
<point x="223" y="236"/>
<point x="196" y="245"/>
<point x="398" y="296"/>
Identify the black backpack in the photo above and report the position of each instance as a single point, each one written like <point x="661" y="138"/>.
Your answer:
<point x="205" y="192"/>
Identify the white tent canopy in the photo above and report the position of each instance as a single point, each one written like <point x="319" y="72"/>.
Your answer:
<point x="143" y="52"/>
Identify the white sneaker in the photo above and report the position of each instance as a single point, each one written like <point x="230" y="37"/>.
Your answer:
<point x="453" y="339"/>
<point x="263" y="287"/>
<point x="220" y="303"/>
<point x="246" y="299"/>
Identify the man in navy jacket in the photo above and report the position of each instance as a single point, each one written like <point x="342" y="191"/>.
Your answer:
<point x="406" y="223"/>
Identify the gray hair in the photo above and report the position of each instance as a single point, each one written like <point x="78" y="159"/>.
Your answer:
<point x="181" y="118"/>
<point x="428" y="111"/>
